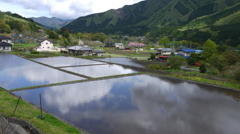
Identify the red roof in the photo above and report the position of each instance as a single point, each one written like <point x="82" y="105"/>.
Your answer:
<point x="163" y="56"/>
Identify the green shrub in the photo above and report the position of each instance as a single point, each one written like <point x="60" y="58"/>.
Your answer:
<point x="213" y="71"/>
<point x="176" y="61"/>
<point x="154" y="66"/>
<point x="192" y="61"/>
<point x="34" y="52"/>
<point x="203" y="68"/>
<point x="152" y="56"/>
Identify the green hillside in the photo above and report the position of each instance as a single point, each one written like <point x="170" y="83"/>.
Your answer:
<point x="139" y="18"/>
<point x="11" y="21"/>
<point x="193" y="20"/>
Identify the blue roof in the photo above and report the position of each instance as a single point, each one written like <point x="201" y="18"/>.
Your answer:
<point x="198" y="51"/>
<point x="187" y="50"/>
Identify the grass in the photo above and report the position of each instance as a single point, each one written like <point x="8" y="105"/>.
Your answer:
<point x="205" y="78"/>
<point x="29" y="113"/>
<point x="25" y="45"/>
<point x="40" y="55"/>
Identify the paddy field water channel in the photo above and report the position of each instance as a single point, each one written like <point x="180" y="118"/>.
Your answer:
<point x="138" y="104"/>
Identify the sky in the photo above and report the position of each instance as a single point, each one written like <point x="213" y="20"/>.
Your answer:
<point x="63" y="9"/>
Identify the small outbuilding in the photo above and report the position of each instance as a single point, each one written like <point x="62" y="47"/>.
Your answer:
<point x="80" y="50"/>
<point x="99" y="53"/>
<point x="5" y="43"/>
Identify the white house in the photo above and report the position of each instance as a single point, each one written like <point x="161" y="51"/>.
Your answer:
<point x="5" y="43"/>
<point x="165" y="51"/>
<point x="119" y="45"/>
<point x="45" y="45"/>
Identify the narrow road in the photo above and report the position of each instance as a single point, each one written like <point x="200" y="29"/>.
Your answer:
<point x="189" y="69"/>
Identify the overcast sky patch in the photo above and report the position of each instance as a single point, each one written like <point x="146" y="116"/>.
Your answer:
<point x="64" y="9"/>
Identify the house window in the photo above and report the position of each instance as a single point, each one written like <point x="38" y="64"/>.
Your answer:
<point x="48" y="47"/>
<point x="5" y="48"/>
<point x="46" y="43"/>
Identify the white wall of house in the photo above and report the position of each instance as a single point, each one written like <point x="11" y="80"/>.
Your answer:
<point x="5" y="48"/>
<point x="119" y="45"/>
<point x="45" y="46"/>
<point x="165" y="53"/>
<point x="101" y="54"/>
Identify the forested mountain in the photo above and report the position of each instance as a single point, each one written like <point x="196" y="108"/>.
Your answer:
<point x="51" y="22"/>
<point x="173" y="18"/>
<point x="12" y="21"/>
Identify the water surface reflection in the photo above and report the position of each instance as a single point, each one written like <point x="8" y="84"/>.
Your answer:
<point x="16" y="72"/>
<point x="142" y="104"/>
<point x="66" y="61"/>
<point x="124" y="61"/>
<point x="101" y="70"/>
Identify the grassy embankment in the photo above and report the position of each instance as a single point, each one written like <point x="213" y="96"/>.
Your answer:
<point x="204" y="78"/>
<point x="29" y="113"/>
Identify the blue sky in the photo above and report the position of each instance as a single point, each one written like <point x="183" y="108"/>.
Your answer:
<point x="64" y="9"/>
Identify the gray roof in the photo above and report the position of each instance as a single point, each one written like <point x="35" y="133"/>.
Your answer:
<point x="5" y="44"/>
<point x="98" y="51"/>
<point x="167" y="50"/>
<point x="4" y="37"/>
<point x="80" y="48"/>
<point x="118" y="44"/>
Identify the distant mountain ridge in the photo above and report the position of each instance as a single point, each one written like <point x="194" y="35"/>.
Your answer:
<point x="140" y="18"/>
<point x="51" y="22"/>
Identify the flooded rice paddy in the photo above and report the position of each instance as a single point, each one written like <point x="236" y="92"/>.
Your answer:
<point x="62" y="61"/>
<point x="124" y="61"/>
<point x="142" y="104"/>
<point x="16" y="72"/>
<point x="133" y="104"/>
<point x="101" y="70"/>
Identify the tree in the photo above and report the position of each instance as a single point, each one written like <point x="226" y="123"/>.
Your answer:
<point x="209" y="48"/>
<point x="4" y="27"/>
<point x="164" y="40"/>
<point x="238" y="47"/>
<point x="176" y="61"/>
<point x="152" y="56"/>
<point x="203" y="68"/>
<point x="172" y="54"/>
<point x="218" y="61"/>
<point x="66" y="34"/>
<point x="232" y="57"/>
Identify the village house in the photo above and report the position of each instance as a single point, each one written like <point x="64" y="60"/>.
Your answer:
<point x="80" y="50"/>
<point x="119" y="45"/>
<point x="186" y="52"/>
<point x="5" y="43"/>
<point x="165" y="51"/>
<point x="45" y="45"/>
<point x="99" y="53"/>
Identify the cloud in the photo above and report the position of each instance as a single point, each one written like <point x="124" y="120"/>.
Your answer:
<point x="70" y="9"/>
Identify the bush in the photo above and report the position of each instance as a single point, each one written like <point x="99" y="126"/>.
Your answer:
<point x="192" y="61"/>
<point x="213" y="71"/>
<point x="152" y="57"/>
<point x="157" y="67"/>
<point x="176" y="61"/>
<point x="202" y="68"/>
<point x="34" y="52"/>
<point x="154" y="67"/>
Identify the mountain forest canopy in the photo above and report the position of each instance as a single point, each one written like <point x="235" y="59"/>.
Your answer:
<point x="12" y="21"/>
<point x="193" y="20"/>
